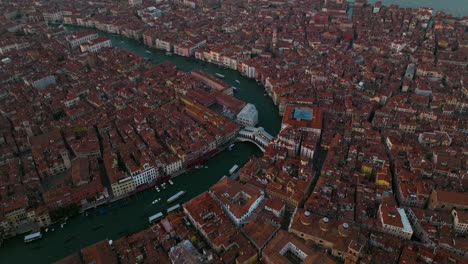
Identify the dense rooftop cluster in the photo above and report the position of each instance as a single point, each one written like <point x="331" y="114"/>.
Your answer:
<point x="370" y="157"/>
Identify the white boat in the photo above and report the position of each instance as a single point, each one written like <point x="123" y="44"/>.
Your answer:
<point x="32" y="237"/>
<point x="233" y="169"/>
<point x="168" y="53"/>
<point x="47" y="230"/>
<point x="163" y="186"/>
<point x="173" y="208"/>
<point x="175" y="196"/>
<point x="231" y="146"/>
<point x="219" y="75"/>
<point x="157" y="189"/>
<point x="171" y="182"/>
<point x="155" y="217"/>
<point x="237" y="81"/>
<point x="156" y="200"/>
<point x="148" y="51"/>
<point x="206" y="167"/>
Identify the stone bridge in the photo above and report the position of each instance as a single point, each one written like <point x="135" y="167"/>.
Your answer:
<point x="256" y="135"/>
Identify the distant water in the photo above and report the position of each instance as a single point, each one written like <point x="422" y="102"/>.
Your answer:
<point x="454" y="7"/>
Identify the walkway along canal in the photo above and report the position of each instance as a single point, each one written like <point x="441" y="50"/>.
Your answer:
<point x="131" y="215"/>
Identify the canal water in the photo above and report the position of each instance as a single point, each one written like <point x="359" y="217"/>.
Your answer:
<point x="122" y="217"/>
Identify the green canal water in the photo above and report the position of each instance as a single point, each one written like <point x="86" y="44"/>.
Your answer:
<point x="112" y="223"/>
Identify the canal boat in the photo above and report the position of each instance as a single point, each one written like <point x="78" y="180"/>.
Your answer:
<point x="32" y="237"/>
<point x="237" y="81"/>
<point x="155" y="217"/>
<point x="168" y="53"/>
<point x="199" y="167"/>
<point x="147" y="51"/>
<point x="219" y="75"/>
<point x="173" y="208"/>
<point x="171" y="182"/>
<point x="231" y="146"/>
<point x="175" y="196"/>
<point x="233" y="169"/>
<point x="156" y="200"/>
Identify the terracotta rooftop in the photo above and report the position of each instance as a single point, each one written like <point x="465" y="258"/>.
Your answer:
<point x="260" y="232"/>
<point x="99" y="253"/>
<point x="271" y="253"/>
<point x="391" y="216"/>
<point x="338" y="232"/>
<point x="238" y="197"/>
<point x="451" y="197"/>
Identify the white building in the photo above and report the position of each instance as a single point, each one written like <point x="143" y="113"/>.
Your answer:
<point x="145" y="175"/>
<point x="248" y="116"/>
<point x="248" y="70"/>
<point x="164" y="45"/>
<point x="6" y="47"/>
<point x="81" y="37"/>
<point x="460" y="221"/>
<point x="171" y="165"/>
<point x="395" y="222"/>
<point x="55" y="16"/>
<point x="96" y="44"/>
<point x="229" y="62"/>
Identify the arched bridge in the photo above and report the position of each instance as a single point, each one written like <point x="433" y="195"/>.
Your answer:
<point x="256" y="135"/>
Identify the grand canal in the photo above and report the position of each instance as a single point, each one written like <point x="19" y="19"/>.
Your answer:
<point x="112" y="222"/>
